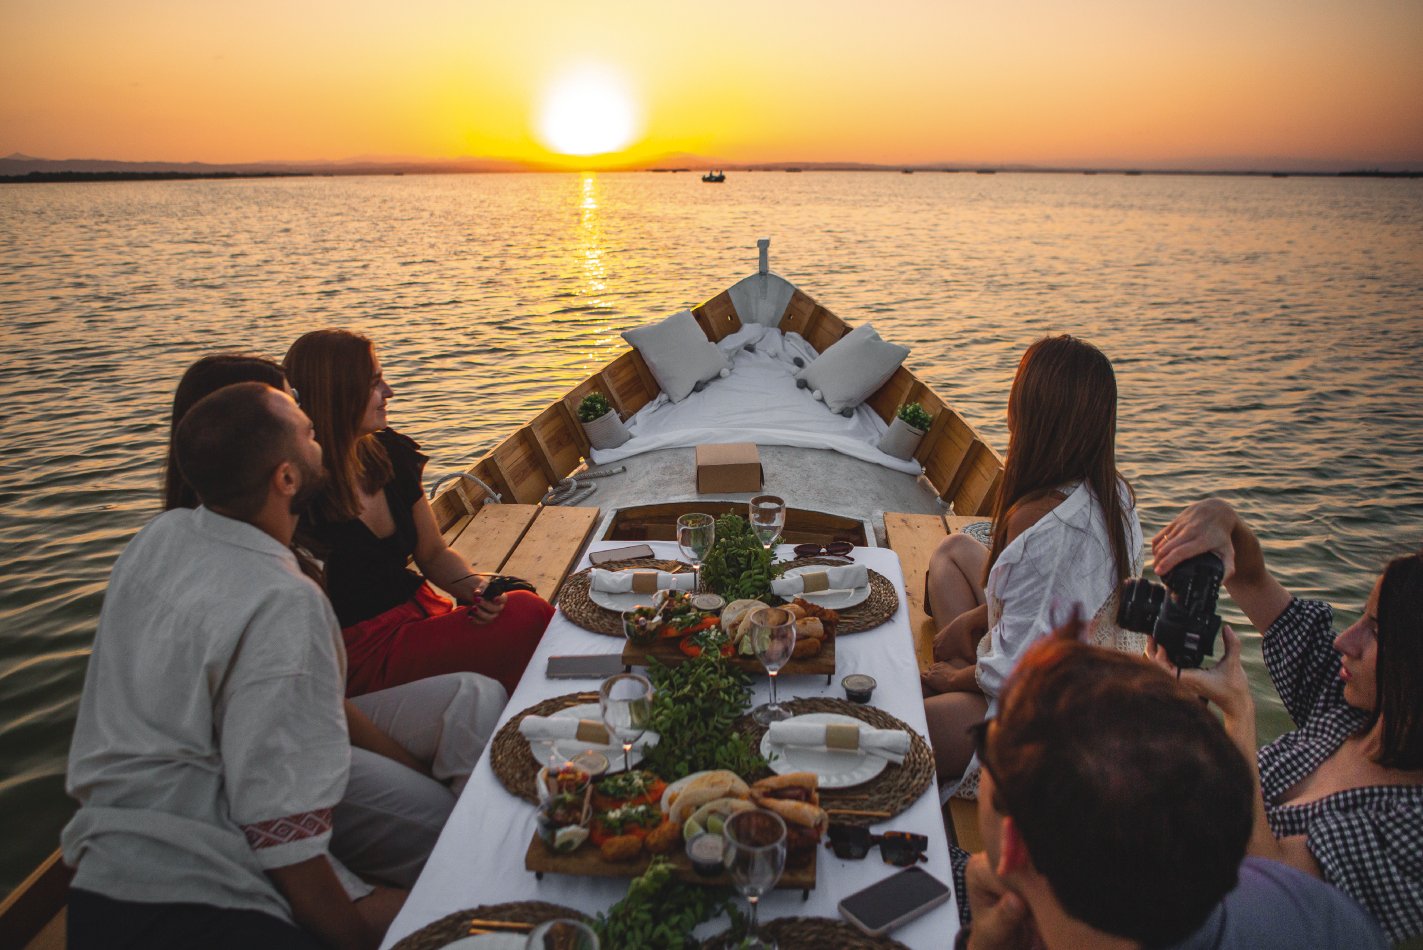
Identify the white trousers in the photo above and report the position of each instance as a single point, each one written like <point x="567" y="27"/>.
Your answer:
<point x="391" y="816"/>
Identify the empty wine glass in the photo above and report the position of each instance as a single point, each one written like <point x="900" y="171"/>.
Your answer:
<point x="695" y="535"/>
<point x="767" y="514"/>
<point x="773" y="639"/>
<point x="755" y="857"/>
<point x="625" y="701"/>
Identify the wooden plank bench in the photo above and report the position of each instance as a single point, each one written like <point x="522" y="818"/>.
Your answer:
<point x="914" y="538"/>
<point x="539" y="544"/>
<point x="33" y="916"/>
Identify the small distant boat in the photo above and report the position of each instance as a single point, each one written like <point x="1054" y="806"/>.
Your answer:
<point x="906" y="171"/>
<point x="716" y="176"/>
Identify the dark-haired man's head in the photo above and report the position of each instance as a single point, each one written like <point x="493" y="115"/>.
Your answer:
<point x="247" y="447"/>
<point x="1113" y="794"/>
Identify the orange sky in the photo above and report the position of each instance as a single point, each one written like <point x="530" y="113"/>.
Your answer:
<point x="899" y="81"/>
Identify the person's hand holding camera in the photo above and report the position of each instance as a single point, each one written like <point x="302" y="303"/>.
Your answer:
<point x="1224" y="684"/>
<point x="1204" y="526"/>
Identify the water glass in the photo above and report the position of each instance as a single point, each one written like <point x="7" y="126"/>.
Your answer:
<point x="773" y="638"/>
<point x="625" y="701"/>
<point x="562" y="935"/>
<point x="755" y="857"/>
<point x="767" y="514"/>
<point x="695" y="535"/>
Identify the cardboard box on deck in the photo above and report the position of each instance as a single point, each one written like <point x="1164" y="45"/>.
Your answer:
<point x="733" y="467"/>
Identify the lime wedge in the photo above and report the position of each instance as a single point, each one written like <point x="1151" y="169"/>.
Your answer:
<point x="691" y="829"/>
<point x="568" y="839"/>
<point x="715" y="823"/>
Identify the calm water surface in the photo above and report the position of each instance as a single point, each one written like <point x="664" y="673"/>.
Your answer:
<point x="1266" y="335"/>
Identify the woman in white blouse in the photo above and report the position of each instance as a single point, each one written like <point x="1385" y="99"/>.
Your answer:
<point x="1065" y="534"/>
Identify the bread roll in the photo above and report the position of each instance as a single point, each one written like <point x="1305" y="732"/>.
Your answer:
<point x="809" y="627"/>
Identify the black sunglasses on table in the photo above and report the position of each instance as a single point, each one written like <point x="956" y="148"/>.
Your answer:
<point x="900" y="848"/>
<point x="834" y="549"/>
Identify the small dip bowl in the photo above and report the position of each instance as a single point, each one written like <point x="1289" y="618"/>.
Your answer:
<point x="705" y="851"/>
<point x="858" y="687"/>
<point x="711" y="603"/>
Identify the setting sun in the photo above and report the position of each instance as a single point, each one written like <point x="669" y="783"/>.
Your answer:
<point x="587" y="112"/>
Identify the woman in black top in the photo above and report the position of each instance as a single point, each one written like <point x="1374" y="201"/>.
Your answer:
<point x="372" y="517"/>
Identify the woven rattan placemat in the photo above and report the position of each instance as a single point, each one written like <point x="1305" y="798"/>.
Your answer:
<point x="509" y="754"/>
<point x="868" y="613"/>
<point x="809" y="933"/>
<point x="455" y="926"/>
<point x="891" y="791"/>
<point x="577" y="606"/>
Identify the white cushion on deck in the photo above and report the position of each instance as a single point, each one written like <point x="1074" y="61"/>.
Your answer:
<point x="853" y="367"/>
<point x="678" y="353"/>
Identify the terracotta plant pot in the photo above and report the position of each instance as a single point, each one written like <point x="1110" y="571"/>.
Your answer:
<point x="607" y="431"/>
<point x="901" y="440"/>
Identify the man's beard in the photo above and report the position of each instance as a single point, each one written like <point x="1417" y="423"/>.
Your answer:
<point x="313" y="480"/>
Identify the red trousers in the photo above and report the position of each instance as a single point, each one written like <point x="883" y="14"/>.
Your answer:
<point x="427" y="635"/>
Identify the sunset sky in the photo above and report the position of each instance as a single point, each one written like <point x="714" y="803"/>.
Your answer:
<point x="1137" y="82"/>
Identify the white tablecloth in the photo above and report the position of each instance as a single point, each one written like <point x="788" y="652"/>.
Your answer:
<point x="480" y="855"/>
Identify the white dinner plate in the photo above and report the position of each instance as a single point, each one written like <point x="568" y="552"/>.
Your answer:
<point x="833" y="599"/>
<point x="836" y="768"/>
<point x="564" y="749"/>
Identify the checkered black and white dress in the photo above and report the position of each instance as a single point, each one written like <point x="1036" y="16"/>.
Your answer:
<point x="1368" y="841"/>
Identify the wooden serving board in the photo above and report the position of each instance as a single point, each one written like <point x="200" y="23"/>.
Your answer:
<point x="668" y="653"/>
<point x="587" y="861"/>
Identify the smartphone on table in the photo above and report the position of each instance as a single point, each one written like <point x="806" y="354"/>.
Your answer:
<point x="895" y="901"/>
<point x="595" y="666"/>
<point x="628" y="553"/>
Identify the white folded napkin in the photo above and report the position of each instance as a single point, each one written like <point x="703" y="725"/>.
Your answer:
<point x="643" y="582"/>
<point x="590" y="731"/>
<point x="847" y="577"/>
<point x="889" y="744"/>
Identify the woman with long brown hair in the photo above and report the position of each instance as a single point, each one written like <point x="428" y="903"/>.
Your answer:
<point x="413" y="746"/>
<point x="1340" y="797"/>
<point x="1065" y="534"/>
<point x="372" y="517"/>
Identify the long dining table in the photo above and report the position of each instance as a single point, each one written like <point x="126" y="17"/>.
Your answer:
<point x="480" y="855"/>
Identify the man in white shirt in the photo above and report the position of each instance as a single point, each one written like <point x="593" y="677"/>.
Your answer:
<point x="211" y="744"/>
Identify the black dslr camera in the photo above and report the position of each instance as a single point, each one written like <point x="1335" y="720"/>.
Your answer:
<point x="1185" y="622"/>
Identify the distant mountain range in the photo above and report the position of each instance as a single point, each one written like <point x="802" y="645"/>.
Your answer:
<point x="19" y="166"/>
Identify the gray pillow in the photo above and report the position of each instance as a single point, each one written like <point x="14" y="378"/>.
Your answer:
<point x="679" y="354"/>
<point x="852" y="368"/>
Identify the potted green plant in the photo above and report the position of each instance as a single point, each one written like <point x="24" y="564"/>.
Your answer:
<point x="907" y="427"/>
<point x="600" y="421"/>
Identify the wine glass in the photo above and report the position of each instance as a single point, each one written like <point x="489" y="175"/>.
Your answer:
<point x="695" y="535"/>
<point x="626" y="703"/>
<point x="755" y="857"/>
<point x="562" y="934"/>
<point x="773" y="639"/>
<point x="767" y="514"/>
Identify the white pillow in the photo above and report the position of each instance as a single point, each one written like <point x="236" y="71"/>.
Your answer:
<point x="679" y="354"/>
<point x="852" y="368"/>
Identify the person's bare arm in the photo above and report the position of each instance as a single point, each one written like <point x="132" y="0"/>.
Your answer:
<point x="1212" y="525"/>
<point x="321" y="906"/>
<point x="445" y="568"/>
<point x="367" y="735"/>
<point x="959" y="639"/>
<point x="1226" y="685"/>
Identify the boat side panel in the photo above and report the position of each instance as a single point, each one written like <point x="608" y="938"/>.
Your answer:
<point x="717" y="317"/>
<point x="522" y="467"/>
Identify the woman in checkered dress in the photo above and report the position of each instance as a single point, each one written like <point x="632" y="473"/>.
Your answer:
<point x="1342" y="795"/>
